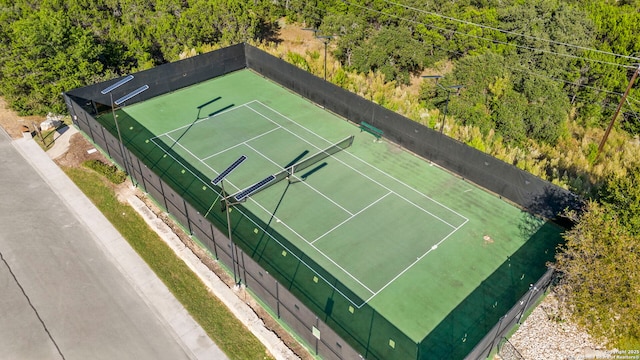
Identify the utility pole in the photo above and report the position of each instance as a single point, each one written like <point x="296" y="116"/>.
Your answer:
<point x="448" y="90"/>
<point x="325" y="39"/>
<point x="615" y="115"/>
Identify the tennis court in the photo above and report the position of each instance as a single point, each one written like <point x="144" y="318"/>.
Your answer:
<point x="423" y="248"/>
<point x="345" y="207"/>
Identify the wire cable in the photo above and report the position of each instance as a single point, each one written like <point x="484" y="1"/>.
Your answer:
<point x="511" y="32"/>
<point x="501" y="42"/>
<point x="485" y="39"/>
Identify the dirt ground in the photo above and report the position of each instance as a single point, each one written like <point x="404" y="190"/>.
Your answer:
<point x="12" y="123"/>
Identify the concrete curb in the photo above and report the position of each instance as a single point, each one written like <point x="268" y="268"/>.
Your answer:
<point x="241" y="310"/>
<point x="183" y="328"/>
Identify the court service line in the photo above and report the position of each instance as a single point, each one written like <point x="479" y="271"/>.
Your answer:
<point x="289" y="131"/>
<point x="316" y="249"/>
<point x="179" y="162"/>
<point x="206" y="183"/>
<point x="409" y="187"/>
<point x="344" y="271"/>
<point x="366" y="163"/>
<point x="351" y="217"/>
<point x="239" y="144"/>
<point x="434" y="247"/>
<point x="278" y="220"/>
<point x="311" y="187"/>
<point x="184" y="148"/>
<point x="208" y="118"/>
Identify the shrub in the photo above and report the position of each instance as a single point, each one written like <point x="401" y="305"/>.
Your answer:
<point x="111" y="172"/>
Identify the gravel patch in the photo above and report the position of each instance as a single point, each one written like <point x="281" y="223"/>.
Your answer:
<point x="545" y="334"/>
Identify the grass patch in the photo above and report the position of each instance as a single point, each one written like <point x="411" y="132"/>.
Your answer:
<point x="218" y="322"/>
<point x="111" y="172"/>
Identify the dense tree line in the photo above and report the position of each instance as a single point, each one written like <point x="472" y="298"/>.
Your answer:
<point x="600" y="263"/>
<point x="538" y="78"/>
<point x="527" y="69"/>
<point x="50" y="46"/>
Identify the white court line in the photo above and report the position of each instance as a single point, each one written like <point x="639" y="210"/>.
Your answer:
<point x="287" y="130"/>
<point x="351" y="217"/>
<point x="368" y="177"/>
<point x="280" y="222"/>
<point x="184" y="166"/>
<point x="323" y="254"/>
<point x="238" y="145"/>
<point x="413" y="263"/>
<point x="175" y="142"/>
<point x="207" y="118"/>
<point x="206" y="183"/>
<point x="309" y="186"/>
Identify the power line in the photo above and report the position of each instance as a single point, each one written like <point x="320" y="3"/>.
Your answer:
<point x="501" y="42"/>
<point x="511" y="32"/>
<point x="485" y="39"/>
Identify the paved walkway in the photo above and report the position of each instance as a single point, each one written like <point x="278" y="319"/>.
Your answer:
<point x="61" y="144"/>
<point x="72" y="287"/>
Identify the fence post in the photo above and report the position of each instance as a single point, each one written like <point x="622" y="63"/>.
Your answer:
<point x="277" y="299"/>
<point x="317" y="337"/>
<point x="244" y="268"/>
<point x="526" y="304"/>
<point x="497" y="335"/>
<point x="213" y="239"/>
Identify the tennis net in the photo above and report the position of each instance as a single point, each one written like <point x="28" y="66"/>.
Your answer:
<point x="323" y="154"/>
<point x="299" y="166"/>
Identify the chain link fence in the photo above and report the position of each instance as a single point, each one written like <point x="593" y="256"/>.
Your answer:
<point x="507" y="351"/>
<point x="359" y="332"/>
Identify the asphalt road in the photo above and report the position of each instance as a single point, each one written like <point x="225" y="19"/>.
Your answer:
<point x="70" y="286"/>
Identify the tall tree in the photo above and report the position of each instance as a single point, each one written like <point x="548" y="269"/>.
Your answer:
<point x="392" y="51"/>
<point x="600" y="263"/>
<point x="47" y="55"/>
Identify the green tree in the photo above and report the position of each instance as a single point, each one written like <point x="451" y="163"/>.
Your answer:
<point x="391" y="51"/>
<point x="350" y="30"/>
<point x="547" y="109"/>
<point x="508" y="110"/>
<point x="599" y="265"/>
<point x="621" y="195"/>
<point x="47" y="55"/>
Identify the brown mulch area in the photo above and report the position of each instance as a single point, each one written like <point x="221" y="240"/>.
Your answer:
<point x="78" y="152"/>
<point x="12" y="123"/>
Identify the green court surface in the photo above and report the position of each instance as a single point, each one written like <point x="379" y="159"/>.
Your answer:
<point x="407" y="238"/>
